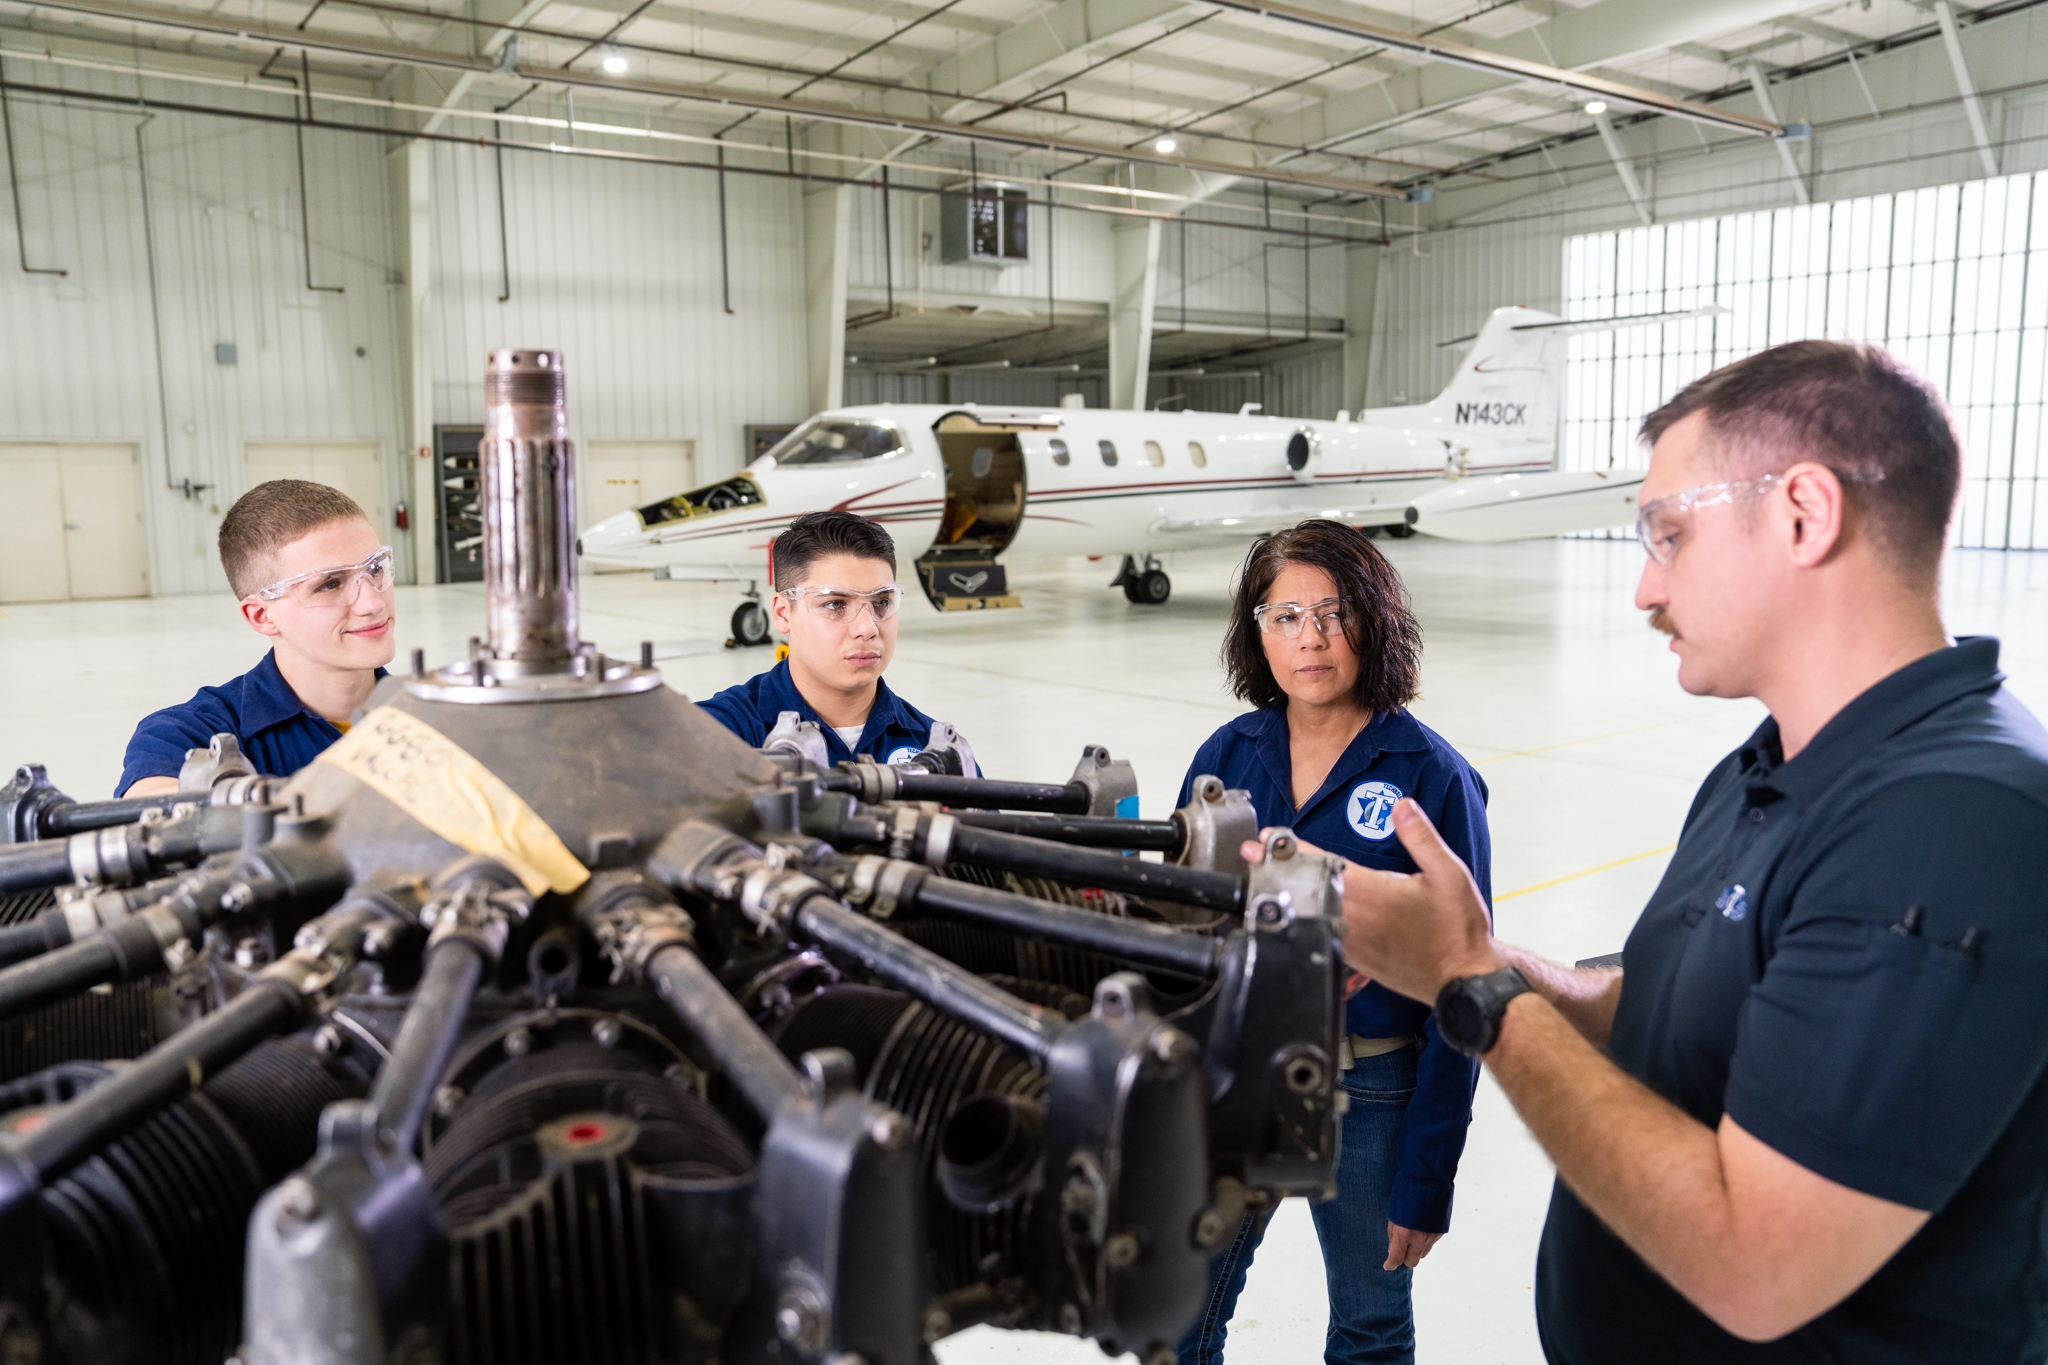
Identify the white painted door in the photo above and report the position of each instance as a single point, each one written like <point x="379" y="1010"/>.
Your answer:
<point x="32" y="558"/>
<point x="103" y="539"/>
<point x="354" y="467"/>
<point x="626" y="474"/>
<point x="74" y="523"/>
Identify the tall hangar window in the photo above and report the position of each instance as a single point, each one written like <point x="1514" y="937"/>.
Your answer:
<point x="1952" y="280"/>
<point x="1108" y="449"/>
<point x="1059" y="451"/>
<point x="1154" y="456"/>
<point x="1197" y="456"/>
<point x="836" y="442"/>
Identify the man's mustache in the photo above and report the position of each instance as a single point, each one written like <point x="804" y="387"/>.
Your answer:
<point x="1660" y="620"/>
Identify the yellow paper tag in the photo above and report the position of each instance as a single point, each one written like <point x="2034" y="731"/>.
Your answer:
<point x="440" y="784"/>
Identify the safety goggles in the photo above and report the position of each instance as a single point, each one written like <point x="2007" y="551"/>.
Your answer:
<point x="336" y="588"/>
<point x="1286" y="619"/>
<point x="1661" y="524"/>
<point x="843" y="605"/>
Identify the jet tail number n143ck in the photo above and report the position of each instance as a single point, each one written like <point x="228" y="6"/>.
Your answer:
<point x="974" y="489"/>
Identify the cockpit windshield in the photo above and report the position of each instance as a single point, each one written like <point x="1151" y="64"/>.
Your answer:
<point x="835" y="441"/>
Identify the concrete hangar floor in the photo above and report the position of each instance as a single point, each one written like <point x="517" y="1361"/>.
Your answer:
<point x="1537" y="668"/>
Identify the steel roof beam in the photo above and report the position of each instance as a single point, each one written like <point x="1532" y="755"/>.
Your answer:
<point x="316" y="40"/>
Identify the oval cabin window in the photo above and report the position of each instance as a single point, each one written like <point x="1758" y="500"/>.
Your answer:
<point x="1154" y="456"/>
<point x="1059" y="452"/>
<point x="1197" y="456"/>
<point x="1108" y="449"/>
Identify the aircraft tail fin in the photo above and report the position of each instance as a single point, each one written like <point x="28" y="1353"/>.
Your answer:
<point x="1509" y="389"/>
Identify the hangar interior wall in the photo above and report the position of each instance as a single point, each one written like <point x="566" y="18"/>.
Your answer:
<point x="630" y="269"/>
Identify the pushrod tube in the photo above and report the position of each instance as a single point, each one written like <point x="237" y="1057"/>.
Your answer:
<point x="763" y="1076"/>
<point x="1147" y="945"/>
<point x="928" y="977"/>
<point x="433" y="1025"/>
<point x="1093" y="867"/>
<point x="1071" y="799"/>
<point x="81" y="816"/>
<point x="1085" y="831"/>
<point x="25" y="867"/>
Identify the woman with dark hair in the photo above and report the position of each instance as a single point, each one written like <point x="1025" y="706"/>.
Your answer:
<point x="1322" y="642"/>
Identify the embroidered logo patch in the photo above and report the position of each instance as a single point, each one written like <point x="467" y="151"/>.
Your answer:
<point x="1733" y="903"/>
<point x="903" y="754"/>
<point x="1371" y="809"/>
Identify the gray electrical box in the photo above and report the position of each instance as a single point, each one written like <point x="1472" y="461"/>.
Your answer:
<point x="985" y="225"/>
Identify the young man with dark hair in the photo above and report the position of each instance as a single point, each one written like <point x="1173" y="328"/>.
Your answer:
<point x="306" y="564"/>
<point x="1806" y="1118"/>
<point x="836" y="598"/>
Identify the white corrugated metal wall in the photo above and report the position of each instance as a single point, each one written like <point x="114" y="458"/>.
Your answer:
<point x="619" y="266"/>
<point x="78" y="354"/>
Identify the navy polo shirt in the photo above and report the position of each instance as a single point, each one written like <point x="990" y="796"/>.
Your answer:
<point x="278" y="734"/>
<point x="1849" y="957"/>
<point x="1352" y="814"/>
<point x="896" y="730"/>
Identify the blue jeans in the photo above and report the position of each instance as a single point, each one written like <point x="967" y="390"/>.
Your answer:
<point x="1371" y="1317"/>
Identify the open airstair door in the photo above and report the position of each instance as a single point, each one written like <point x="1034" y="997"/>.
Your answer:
<point x="984" y="507"/>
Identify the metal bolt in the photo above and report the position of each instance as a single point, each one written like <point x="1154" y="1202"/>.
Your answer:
<point x="800" y="1319"/>
<point x="846" y="1358"/>
<point x="1121" y="1251"/>
<point x="327" y="1038"/>
<point x="938" y="1324"/>
<point x="607" y="1032"/>
<point x="1070" y="1319"/>
<point x="1159" y="1353"/>
<point x="380" y="939"/>
<point x="1304" y="1075"/>
<point x="245" y="952"/>
<point x="1269" y="913"/>
<point x="448" y="1101"/>
<point x="888" y="1131"/>
<point x="1208" y="1229"/>
<point x="237" y="898"/>
<point x="519" y="1042"/>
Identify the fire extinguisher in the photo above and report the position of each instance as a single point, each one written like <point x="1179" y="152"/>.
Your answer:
<point x="404" y="518"/>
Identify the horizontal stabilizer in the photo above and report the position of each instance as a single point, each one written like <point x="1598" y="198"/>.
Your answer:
<point x="1524" y="506"/>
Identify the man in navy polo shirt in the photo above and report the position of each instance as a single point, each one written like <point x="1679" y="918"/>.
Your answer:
<point x="311" y="577"/>
<point x="836" y="598"/>
<point x="1807" y="1120"/>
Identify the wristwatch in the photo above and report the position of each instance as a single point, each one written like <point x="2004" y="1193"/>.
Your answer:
<point x="1469" y="1008"/>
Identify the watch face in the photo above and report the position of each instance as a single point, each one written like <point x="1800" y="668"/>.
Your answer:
<point x="1464" y="1021"/>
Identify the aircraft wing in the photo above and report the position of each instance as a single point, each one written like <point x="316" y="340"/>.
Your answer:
<point x="1239" y="524"/>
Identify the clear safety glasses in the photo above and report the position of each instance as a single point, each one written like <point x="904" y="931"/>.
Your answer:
<point x="1286" y="619"/>
<point x="843" y="605"/>
<point x="1661" y="524"/>
<point x="335" y="588"/>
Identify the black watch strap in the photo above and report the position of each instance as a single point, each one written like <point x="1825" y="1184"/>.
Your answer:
<point x="1469" y="1008"/>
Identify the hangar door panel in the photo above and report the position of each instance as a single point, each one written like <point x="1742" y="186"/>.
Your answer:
<point x="623" y="475"/>
<point x="74" y="516"/>
<point x="103" y="541"/>
<point x="354" y="467"/>
<point x="32" y="560"/>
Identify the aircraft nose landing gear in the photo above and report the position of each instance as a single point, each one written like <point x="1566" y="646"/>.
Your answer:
<point x="1148" y="586"/>
<point x="749" y="621"/>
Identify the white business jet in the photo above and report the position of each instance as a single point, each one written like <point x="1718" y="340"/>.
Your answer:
<point x="969" y="484"/>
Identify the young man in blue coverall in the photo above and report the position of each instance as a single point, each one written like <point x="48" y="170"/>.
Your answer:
<point x="836" y="599"/>
<point x="313" y="580"/>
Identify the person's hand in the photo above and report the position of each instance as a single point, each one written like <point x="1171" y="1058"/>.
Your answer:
<point x="1406" y="1246"/>
<point x="1413" y="932"/>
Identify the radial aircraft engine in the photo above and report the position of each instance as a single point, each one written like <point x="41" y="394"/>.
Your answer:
<point x="541" y="1020"/>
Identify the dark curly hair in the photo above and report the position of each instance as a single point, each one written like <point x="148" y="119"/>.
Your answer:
<point x="1377" y="620"/>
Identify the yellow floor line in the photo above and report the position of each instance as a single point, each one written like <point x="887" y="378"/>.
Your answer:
<point x="1613" y="734"/>
<point x="1574" y="876"/>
